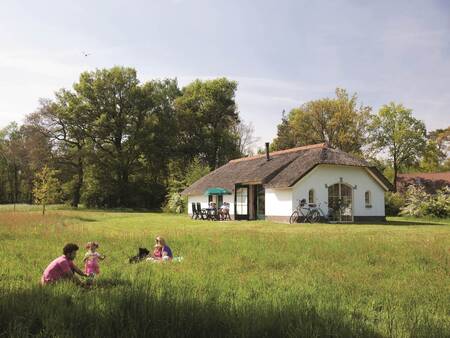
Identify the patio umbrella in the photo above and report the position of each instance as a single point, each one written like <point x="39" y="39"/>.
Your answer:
<point x="217" y="191"/>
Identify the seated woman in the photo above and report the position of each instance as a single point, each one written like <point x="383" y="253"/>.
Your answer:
<point x="224" y="211"/>
<point x="166" y="251"/>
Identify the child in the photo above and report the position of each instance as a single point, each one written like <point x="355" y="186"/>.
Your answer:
<point x="158" y="253"/>
<point x="91" y="258"/>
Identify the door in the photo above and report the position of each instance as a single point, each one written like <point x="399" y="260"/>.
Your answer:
<point x="340" y="202"/>
<point x="241" y="202"/>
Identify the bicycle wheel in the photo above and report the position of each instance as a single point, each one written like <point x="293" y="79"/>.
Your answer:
<point x="294" y="217"/>
<point x="314" y="217"/>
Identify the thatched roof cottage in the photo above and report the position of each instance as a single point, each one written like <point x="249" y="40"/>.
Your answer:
<point x="269" y="186"/>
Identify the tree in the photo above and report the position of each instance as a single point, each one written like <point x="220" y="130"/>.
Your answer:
<point x="397" y="133"/>
<point x="59" y="122"/>
<point x="113" y="111"/>
<point x="285" y="137"/>
<point x="207" y="117"/>
<point x="46" y="187"/>
<point x="340" y="122"/>
<point x="245" y="139"/>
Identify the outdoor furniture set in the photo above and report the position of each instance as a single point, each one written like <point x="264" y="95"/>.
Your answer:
<point x="211" y="213"/>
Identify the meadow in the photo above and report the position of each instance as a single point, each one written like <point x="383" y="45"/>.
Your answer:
<point x="237" y="279"/>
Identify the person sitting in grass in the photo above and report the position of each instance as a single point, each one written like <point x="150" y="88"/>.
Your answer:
<point x="63" y="268"/>
<point x="166" y="251"/>
<point x="157" y="253"/>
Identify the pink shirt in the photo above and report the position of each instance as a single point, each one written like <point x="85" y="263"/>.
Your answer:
<point x="57" y="270"/>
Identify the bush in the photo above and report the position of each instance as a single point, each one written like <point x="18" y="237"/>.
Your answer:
<point x="176" y="203"/>
<point x="394" y="201"/>
<point x="419" y="203"/>
<point x="439" y="205"/>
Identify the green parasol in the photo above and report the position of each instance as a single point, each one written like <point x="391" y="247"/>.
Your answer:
<point x="217" y="191"/>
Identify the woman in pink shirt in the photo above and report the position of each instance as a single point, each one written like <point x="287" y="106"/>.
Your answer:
<point x="63" y="267"/>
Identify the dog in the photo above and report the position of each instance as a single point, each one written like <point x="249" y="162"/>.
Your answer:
<point x="143" y="253"/>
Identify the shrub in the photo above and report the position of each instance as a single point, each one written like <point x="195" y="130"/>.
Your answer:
<point x="394" y="201"/>
<point x="439" y="205"/>
<point x="419" y="203"/>
<point x="416" y="201"/>
<point x="175" y="203"/>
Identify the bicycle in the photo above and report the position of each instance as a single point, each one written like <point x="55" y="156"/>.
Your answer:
<point x="313" y="215"/>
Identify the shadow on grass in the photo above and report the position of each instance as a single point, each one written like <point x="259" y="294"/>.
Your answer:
<point x="410" y="223"/>
<point x="130" y="311"/>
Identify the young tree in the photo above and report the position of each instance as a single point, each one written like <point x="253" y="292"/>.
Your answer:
<point x="59" y="122"/>
<point x="397" y="133"/>
<point x="46" y="187"/>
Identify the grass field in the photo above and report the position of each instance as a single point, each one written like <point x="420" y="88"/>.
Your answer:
<point x="237" y="278"/>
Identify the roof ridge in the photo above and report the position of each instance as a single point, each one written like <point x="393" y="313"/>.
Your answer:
<point x="419" y="173"/>
<point x="281" y="152"/>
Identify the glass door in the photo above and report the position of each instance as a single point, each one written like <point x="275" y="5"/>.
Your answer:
<point x="340" y="202"/>
<point x="241" y="202"/>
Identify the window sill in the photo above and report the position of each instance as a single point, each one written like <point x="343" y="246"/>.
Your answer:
<point x="368" y="206"/>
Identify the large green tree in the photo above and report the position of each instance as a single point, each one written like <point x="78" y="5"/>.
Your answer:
<point x="207" y="116"/>
<point x="341" y="122"/>
<point x="397" y="134"/>
<point x="113" y="111"/>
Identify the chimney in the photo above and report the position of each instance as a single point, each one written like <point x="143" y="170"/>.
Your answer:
<point x="267" y="151"/>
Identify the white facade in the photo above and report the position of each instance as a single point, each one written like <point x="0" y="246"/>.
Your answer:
<point x="357" y="177"/>
<point x="279" y="202"/>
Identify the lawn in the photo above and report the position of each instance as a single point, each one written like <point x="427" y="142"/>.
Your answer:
<point x="237" y="278"/>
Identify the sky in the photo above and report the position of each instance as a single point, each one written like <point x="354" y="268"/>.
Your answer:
<point x="281" y="53"/>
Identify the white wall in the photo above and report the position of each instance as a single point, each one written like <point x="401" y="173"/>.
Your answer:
<point x="204" y="202"/>
<point x="331" y="174"/>
<point x="278" y="202"/>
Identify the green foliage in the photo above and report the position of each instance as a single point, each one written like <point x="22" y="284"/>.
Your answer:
<point x="439" y="204"/>
<point x="207" y="119"/>
<point x="340" y="122"/>
<point x="334" y="280"/>
<point x="419" y="203"/>
<point x="394" y="202"/>
<point x="195" y="171"/>
<point x="176" y="203"/>
<point x="397" y="133"/>
<point x="47" y="188"/>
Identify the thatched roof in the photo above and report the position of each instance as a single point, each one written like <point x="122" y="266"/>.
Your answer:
<point x="432" y="182"/>
<point x="283" y="170"/>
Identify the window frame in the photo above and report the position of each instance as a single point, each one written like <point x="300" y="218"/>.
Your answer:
<point x="368" y="199"/>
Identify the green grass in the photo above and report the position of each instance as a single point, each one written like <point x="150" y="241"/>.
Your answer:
<point x="237" y="278"/>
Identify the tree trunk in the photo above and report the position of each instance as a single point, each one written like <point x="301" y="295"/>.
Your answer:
<point x="78" y="185"/>
<point x="43" y="209"/>
<point x="395" y="177"/>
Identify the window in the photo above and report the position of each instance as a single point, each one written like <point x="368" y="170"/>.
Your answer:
<point x="368" y="199"/>
<point x="311" y="197"/>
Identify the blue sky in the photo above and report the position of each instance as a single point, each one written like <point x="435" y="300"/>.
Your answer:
<point x="282" y="53"/>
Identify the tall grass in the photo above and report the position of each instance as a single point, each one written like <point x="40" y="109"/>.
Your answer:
<point x="237" y="279"/>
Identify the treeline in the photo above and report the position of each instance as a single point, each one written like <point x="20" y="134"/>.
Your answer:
<point x="392" y="139"/>
<point x="112" y="141"/>
<point x="116" y="142"/>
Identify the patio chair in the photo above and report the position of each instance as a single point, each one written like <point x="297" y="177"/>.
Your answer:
<point x="194" y="211"/>
<point x="200" y="212"/>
